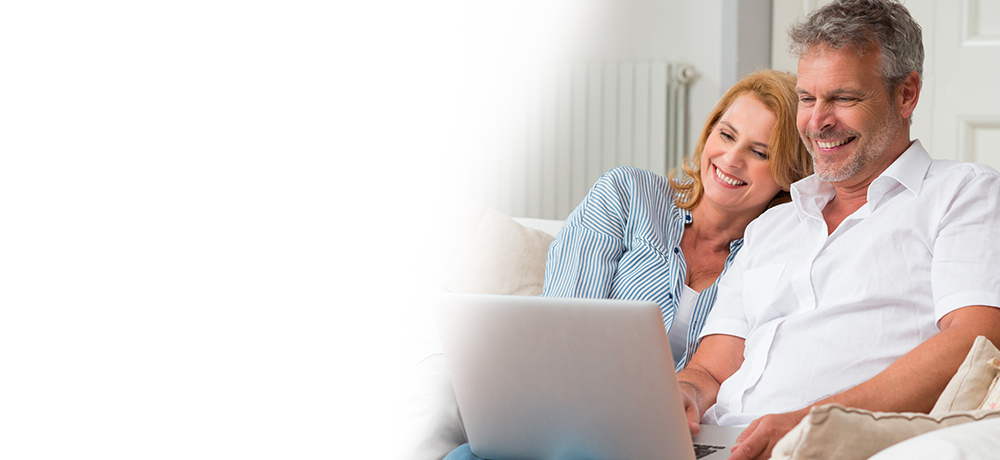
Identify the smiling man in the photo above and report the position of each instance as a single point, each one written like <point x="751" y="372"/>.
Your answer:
<point x="870" y="287"/>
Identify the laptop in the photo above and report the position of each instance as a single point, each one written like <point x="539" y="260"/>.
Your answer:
<point x="568" y="379"/>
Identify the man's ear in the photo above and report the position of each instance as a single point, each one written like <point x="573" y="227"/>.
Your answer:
<point x="907" y="94"/>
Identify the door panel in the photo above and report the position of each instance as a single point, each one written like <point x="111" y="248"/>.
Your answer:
<point x="966" y="116"/>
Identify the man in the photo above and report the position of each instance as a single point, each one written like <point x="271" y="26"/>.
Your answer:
<point x="868" y="289"/>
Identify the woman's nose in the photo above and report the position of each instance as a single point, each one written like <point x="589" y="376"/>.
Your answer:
<point x="733" y="157"/>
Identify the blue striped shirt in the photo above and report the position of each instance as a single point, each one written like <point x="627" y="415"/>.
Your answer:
<point x="624" y="242"/>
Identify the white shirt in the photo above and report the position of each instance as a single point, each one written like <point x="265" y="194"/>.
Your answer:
<point x="821" y="314"/>
<point x="686" y="306"/>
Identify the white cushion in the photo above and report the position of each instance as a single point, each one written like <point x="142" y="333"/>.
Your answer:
<point x="480" y="251"/>
<point x="431" y="426"/>
<point x="550" y="226"/>
<point x="971" y="441"/>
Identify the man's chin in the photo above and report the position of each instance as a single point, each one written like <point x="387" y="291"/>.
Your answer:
<point x="832" y="178"/>
<point x="832" y="174"/>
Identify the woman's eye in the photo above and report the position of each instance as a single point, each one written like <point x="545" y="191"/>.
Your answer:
<point x="726" y="136"/>
<point x="761" y="155"/>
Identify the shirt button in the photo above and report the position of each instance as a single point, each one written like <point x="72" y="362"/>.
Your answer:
<point x="677" y="250"/>
<point x="687" y="218"/>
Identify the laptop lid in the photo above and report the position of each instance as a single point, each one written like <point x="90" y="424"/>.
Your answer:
<point x="556" y="378"/>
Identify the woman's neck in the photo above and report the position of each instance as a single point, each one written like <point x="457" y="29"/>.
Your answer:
<point x="715" y="229"/>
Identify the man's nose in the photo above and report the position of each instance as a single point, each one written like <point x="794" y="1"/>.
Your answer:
<point x="822" y="117"/>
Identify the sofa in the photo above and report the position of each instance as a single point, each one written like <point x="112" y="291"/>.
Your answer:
<point x="479" y="250"/>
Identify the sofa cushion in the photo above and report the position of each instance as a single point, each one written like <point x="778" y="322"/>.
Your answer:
<point x="835" y="431"/>
<point x="979" y="440"/>
<point x="967" y="388"/>
<point x="431" y="425"/>
<point x="481" y="251"/>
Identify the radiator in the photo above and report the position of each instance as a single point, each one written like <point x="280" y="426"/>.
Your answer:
<point x="572" y="124"/>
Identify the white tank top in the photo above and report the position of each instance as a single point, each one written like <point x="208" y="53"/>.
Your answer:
<point x="682" y="320"/>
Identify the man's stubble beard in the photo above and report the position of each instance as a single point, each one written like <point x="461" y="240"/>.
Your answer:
<point x="883" y="134"/>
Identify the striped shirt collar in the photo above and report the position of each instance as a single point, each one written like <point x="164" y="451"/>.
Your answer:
<point x="687" y="217"/>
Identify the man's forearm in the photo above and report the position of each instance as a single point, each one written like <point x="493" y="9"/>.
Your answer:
<point x="700" y="386"/>
<point x="911" y="384"/>
<point x="717" y="358"/>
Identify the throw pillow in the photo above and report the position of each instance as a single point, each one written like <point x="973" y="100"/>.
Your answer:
<point x="967" y="388"/>
<point x="482" y="251"/>
<point x="992" y="400"/>
<point x="835" y="431"/>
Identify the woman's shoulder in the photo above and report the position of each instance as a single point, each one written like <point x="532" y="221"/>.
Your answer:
<point x="632" y="176"/>
<point x="639" y="187"/>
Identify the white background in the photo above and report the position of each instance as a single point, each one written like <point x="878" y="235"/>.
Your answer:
<point x="208" y="208"/>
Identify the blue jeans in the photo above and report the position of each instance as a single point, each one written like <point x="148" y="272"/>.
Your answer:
<point x="462" y="452"/>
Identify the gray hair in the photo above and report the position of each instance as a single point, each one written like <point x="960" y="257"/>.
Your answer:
<point x="859" y="24"/>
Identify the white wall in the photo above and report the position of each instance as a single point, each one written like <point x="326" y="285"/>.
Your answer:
<point x="746" y="38"/>
<point x="504" y="39"/>
<point x="675" y="31"/>
<point x="672" y="30"/>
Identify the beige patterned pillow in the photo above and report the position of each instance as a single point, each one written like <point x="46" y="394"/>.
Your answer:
<point x="837" y="432"/>
<point x="992" y="400"/>
<point x="967" y="388"/>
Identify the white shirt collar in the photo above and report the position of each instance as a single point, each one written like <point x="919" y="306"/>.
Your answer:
<point x="810" y="195"/>
<point x="908" y="170"/>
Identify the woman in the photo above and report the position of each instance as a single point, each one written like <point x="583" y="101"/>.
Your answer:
<point x="638" y="235"/>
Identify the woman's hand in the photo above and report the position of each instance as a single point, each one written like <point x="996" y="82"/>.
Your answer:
<point x="690" y="395"/>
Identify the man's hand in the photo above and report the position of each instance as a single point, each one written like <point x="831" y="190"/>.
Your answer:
<point x="757" y="441"/>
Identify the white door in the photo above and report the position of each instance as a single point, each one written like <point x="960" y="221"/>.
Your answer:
<point x="958" y="115"/>
<point x="964" y="113"/>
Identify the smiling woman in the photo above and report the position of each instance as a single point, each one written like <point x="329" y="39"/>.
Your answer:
<point x="641" y="236"/>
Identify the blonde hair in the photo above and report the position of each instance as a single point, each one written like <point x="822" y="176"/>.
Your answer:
<point x="787" y="156"/>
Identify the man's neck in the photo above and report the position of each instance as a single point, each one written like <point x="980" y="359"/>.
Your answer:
<point x="852" y="194"/>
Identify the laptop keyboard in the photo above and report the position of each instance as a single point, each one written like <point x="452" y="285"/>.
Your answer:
<point x="702" y="450"/>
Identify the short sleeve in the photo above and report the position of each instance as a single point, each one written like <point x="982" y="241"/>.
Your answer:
<point x="964" y="268"/>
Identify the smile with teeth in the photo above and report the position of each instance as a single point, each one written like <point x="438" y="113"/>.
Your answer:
<point x="727" y="178"/>
<point x="832" y="144"/>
